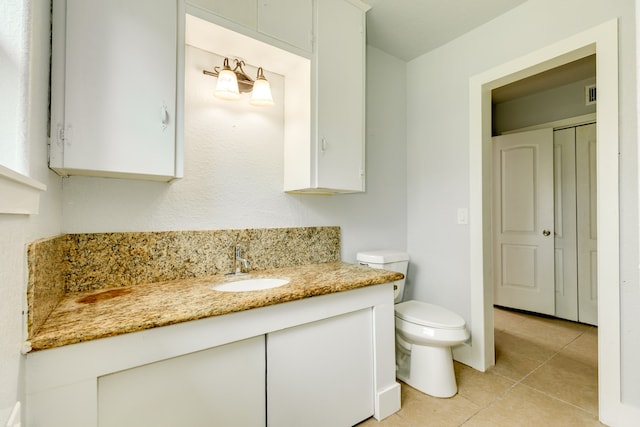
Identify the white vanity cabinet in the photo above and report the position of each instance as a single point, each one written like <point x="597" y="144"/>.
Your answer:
<point x="334" y="161"/>
<point x="321" y="373"/>
<point x="288" y="21"/>
<point x="221" y="386"/>
<point x="117" y="85"/>
<point x="328" y="361"/>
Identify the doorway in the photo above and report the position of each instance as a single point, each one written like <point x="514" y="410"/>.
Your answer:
<point x="602" y="41"/>
<point x="544" y="219"/>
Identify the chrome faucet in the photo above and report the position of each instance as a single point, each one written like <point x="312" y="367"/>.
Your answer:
<point x="239" y="263"/>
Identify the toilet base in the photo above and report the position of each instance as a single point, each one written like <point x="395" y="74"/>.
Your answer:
<point x="428" y="369"/>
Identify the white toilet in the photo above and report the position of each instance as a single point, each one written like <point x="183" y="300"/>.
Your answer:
<point x="425" y="333"/>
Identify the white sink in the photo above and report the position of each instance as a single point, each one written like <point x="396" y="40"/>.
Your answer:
<point x="253" y="284"/>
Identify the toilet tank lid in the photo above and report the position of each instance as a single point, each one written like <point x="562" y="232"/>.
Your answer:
<point x="382" y="256"/>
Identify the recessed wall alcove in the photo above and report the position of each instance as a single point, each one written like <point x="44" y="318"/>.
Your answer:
<point x="295" y="70"/>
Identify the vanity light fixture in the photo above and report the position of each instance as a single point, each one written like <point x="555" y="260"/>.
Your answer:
<point x="233" y="82"/>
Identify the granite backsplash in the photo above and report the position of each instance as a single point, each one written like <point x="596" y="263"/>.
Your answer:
<point x="83" y="262"/>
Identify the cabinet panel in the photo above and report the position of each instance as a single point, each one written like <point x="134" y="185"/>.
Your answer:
<point x="287" y="20"/>
<point x="321" y="373"/>
<point x="340" y="95"/>
<point x="243" y="12"/>
<point x="120" y="80"/>
<point x="566" y="276"/>
<point x="222" y="386"/>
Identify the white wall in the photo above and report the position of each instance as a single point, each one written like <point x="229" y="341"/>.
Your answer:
<point x="14" y="38"/>
<point x="234" y="169"/>
<point x="30" y="147"/>
<point x="438" y="152"/>
<point x="543" y="107"/>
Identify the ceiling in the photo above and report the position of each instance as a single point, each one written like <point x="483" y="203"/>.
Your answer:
<point x="409" y="28"/>
<point x="581" y="69"/>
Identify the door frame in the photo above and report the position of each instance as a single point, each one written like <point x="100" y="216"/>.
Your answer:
<point x="603" y="41"/>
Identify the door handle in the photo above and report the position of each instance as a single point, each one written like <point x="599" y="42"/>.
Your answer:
<point x="164" y="117"/>
<point x="546" y="233"/>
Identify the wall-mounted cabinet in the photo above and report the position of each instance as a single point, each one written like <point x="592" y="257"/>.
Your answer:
<point x="334" y="160"/>
<point x="117" y="86"/>
<point x="288" y="21"/>
<point x="324" y="149"/>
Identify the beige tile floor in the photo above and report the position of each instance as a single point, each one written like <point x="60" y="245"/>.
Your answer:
<point x="545" y="375"/>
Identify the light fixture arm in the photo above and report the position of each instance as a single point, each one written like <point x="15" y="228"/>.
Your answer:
<point x="237" y="81"/>
<point x="245" y="83"/>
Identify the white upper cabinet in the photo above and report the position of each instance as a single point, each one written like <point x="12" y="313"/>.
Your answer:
<point x="116" y="86"/>
<point x="288" y="21"/>
<point x="334" y="160"/>
<point x="340" y="92"/>
<point x="243" y="12"/>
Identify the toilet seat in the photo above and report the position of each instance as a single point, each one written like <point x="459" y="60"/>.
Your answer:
<point x="425" y="314"/>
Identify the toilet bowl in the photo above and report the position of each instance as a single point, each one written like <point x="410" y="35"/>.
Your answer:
<point x="425" y="333"/>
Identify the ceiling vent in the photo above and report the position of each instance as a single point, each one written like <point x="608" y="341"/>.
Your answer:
<point x="590" y="95"/>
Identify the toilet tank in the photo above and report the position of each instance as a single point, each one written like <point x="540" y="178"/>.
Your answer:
<point x="388" y="260"/>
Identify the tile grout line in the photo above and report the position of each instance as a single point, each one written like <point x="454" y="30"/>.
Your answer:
<point x="521" y="380"/>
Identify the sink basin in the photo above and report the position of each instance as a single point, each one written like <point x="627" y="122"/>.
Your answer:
<point x="253" y="284"/>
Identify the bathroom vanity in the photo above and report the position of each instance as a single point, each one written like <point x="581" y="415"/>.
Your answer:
<point x="317" y="351"/>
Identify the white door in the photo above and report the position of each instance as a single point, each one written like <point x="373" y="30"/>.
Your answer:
<point x="523" y="221"/>
<point x="566" y="257"/>
<point x="587" y="232"/>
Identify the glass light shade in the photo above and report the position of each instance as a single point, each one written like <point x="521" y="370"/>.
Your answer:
<point x="261" y="94"/>
<point x="227" y="86"/>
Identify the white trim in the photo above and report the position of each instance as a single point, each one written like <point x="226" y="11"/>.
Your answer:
<point x="603" y="41"/>
<point x="558" y="124"/>
<point x="20" y="193"/>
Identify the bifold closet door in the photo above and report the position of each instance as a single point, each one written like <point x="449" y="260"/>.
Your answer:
<point x="575" y="224"/>
<point x="586" y="197"/>
<point x="566" y="256"/>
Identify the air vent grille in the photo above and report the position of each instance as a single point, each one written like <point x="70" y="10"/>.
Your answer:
<point x="590" y="94"/>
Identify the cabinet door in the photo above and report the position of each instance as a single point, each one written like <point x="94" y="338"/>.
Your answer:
<point x="243" y="12"/>
<point x="120" y="86"/>
<point x="287" y="20"/>
<point x="321" y="373"/>
<point x="340" y="91"/>
<point x="222" y="386"/>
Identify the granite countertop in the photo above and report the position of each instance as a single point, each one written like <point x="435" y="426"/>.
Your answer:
<point x="89" y="315"/>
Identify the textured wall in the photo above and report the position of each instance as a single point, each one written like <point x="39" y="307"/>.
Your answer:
<point x="24" y="81"/>
<point x="14" y="65"/>
<point x="234" y="171"/>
